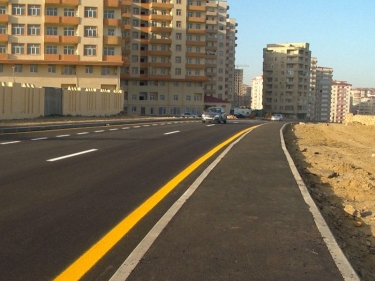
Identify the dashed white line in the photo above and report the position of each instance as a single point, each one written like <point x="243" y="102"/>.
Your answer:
<point x="175" y="132"/>
<point x="83" y="133"/>
<point x="136" y="127"/>
<point x="146" y="125"/>
<point x="43" y="138"/>
<point x="71" y="155"/>
<point x="125" y="128"/>
<point x="210" y="125"/>
<point x="100" y="131"/>
<point x="113" y="129"/>
<point x="10" y="142"/>
<point x="62" y="136"/>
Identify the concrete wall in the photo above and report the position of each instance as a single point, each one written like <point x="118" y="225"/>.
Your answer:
<point x="363" y="119"/>
<point x="92" y="102"/>
<point x="20" y="101"/>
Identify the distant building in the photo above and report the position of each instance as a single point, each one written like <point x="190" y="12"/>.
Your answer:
<point x="363" y="101"/>
<point x="340" y="101"/>
<point x="257" y="93"/>
<point x="286" y="79"/>
<point x="322" y="98"/>
<point x="238" y="82"/>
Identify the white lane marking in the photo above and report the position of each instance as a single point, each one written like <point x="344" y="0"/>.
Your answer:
<point x="133" y="259"/>
<point x="170" y="133"/>
<point x="44" y="138"/>
<point x="338" y="256"/>
<point x="126" y="128"/>
<point x="113" y="129"/>
<point x="146" y="125"/>
<point x="100" y="131"/>
<point x="83" y="133"/>
<point x="136" y="127"/>
<point x="62" y="136"/>
<point x="155" y="124"/>
<point x="210" y="125"/>
<point x="10" y="142"/>
<point x="71" y="155"/>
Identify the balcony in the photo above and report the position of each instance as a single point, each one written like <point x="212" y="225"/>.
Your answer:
<point x="69" y="57"/>
<point x="4" y="1"/>
<point x="126" y="15"/>
<point x="196" y="31"/>
<point x="197" y="78"/>
<point x="158" y="29"/>
<point x="196" y="43"/>
<point x="161" y="64"/>
<point x="112" y="40"/>
<point x="112" y="3"/>
<point x="161" y="17"/>
<point x="210" y="13"/>
<point x="53" y="57"/>
<point x="112" y="22"/>
<point x="195" y="66"/>
<point x="127" y="2"/>
<point x="196" y="8"/>
<point x="195" y="55"/>
<point x="3" y="56"/>
<point x="126" y="40"/>
<point x="3" y="37"/>
<point x="113" y="59"/>
<point x="126" y="26"/>
<point x="61" y="20"/>
<point x="195" y="19"/>
<point x="72" y="3"/>
<point x="125" y="52"/>
<point x="160" y="41"/>
<point x="161" y="6"/>
<point x="4" y="18"/>
<point x="160" y="53"/>
<point x="69" y="39"/>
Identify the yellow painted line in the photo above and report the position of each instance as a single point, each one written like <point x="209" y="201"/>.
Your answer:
<point x="83" y="264"/>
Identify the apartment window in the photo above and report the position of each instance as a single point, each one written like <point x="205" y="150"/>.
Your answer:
<point x="134" y="34"/>
<point x="178" y="12"/>
<point x="162" y="97"/>
<point x="198" y="26"/>
<point x="175" y="84"/>
<point x="18" y="49"/>
<point x="69" y="31"/>
<point x="33" y="29"/>
<point x="51" y="50"/>
<point x="18" y="68"/>
<point x="109" y="14"/>
<point x="197" y="72"/>
<point x="190" y="2"/>
<point x="3" y="10"/>
<point x="198" y="49"/>
<point x="178" y="59"/>
<point x="51" y="11"/>
<point x="51" y="30"/>
<point x="134" y="47"/>
<point x="134" y="58"/>
<point x="178" y="24"/>
<point x="33" y="68"/>
<point x="106" y="70"/>
<point x="135" y="11"/>
<point x="89" y="50"/>
<point x="188" y="73"/>
<point x="18" y="9"/>
<point x="188" y="98"/>
<point x="178" y="48"/>
<point x="135" y="70"/>
<point x="68" y="50"/>
<point x="69" y="12"/>
<point x="109" y="51"/>
<point x="33" y="10"/>
<point x="90" y="31"/>
<point x="190" y="14"/>
<point x="69" y="70"/>
<point x="175" y="97"/>
<point x="111" y="32"/>
<point x="178" y="36"/>
<point x="3" y="49"/>
<point x="18" y="29"/>
<point x="178" y="71"/>
<point x="33" y="49"/>
<point x="51" y="68"/>
<point x="91" y="12"/>
<point x="178" y="2"/>
<point x="89" y="69"/>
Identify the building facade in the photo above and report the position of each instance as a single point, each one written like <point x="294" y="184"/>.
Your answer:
<point x="165" y="55"/>
<point x="322" y="100"/>
<point x="238" y="82"/>
<point x="257" y="93"/>
<point x="286" y="74"/>
<point x="363" y="101"/>
<point x="340" y="101"/>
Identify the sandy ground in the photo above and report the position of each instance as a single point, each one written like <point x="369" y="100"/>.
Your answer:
<point x="337" y="163"/>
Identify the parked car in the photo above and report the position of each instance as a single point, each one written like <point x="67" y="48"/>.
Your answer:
<point x="214" y="114"/>
<point x="276" y="117"/>
<point x="188" y="115"/>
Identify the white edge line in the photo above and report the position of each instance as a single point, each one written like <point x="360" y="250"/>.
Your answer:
<point x="133" y="259"/>
<point x="338" y="256"/>
<point x="71" y="155"/>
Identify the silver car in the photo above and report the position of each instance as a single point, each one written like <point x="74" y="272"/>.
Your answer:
<point x="214" y="114"/>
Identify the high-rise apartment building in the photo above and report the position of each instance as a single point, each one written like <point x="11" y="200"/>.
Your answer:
<point x="257" y="93"/>
<point x="63" y="43"/>
<point x="363" y="101"/>
<point x="323" y="88"/>
<point x="166" y="55"/>
<point x="286" y="74"/>
<point x="340" y="101"/>
<point x="238" y="82"/>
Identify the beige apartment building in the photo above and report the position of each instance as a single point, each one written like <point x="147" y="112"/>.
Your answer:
<point x="66" y="43"/>
<point x="257" y="93"/>
<point x="363" y="101"/>
<point x="286" y="84"/>
<point x="166" y="55"/>
<point x="340" y="101"/>
<point x="238" y="82"/>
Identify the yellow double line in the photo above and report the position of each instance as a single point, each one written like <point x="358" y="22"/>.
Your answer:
<point x="84" y="263"/>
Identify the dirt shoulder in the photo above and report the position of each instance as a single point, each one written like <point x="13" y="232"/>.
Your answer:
<point x="337" y="163"/>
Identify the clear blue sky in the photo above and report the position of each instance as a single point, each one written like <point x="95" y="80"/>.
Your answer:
<point x="341" y="34"/>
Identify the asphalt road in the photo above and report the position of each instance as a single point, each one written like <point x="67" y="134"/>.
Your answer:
<point x="62" y="191"/>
